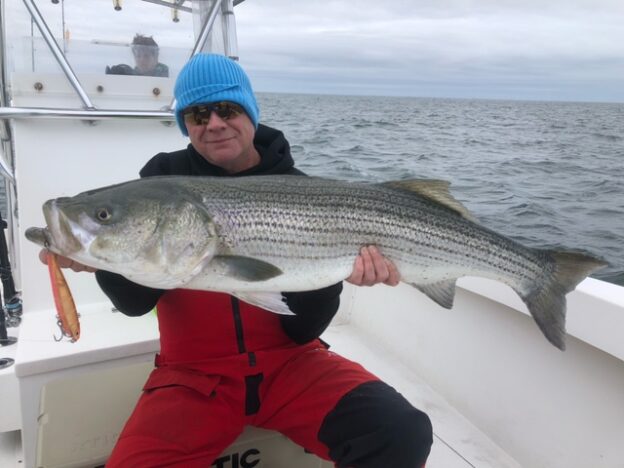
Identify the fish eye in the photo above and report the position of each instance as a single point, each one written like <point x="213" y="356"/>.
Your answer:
<point x="103" y="214"/>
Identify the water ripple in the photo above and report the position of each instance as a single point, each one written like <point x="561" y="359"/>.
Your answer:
<point x="546" y="174"/>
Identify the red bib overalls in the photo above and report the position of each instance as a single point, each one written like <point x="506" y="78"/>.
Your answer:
<point x="225" y="364"/>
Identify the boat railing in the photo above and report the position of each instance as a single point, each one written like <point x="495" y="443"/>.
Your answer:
<point x="35" y="14"/>
<point x="89" y="112"/>
<point x="83" y="114"/>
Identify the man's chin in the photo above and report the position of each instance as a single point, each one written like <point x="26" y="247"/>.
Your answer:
<point x="223" y="151"/>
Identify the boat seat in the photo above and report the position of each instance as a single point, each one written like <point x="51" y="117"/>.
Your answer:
<point x="82" y="416"/>
<point x="85" y="395"/>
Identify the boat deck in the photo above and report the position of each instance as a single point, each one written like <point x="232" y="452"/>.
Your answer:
<point x="457" y="442"/>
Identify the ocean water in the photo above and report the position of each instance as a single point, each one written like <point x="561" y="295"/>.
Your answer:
<point x="547" y="174"/>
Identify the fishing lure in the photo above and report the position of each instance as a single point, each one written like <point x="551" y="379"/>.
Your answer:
<point x="67" y="316"/>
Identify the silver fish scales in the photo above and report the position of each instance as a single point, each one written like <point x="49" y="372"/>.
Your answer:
<point x="257" y="236"/>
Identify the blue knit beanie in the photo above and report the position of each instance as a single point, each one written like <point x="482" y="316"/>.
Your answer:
<point x="210" y="78"/>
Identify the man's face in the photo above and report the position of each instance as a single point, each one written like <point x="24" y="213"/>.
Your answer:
<point x="224" y="137"/>
<point x="145" y="58"/>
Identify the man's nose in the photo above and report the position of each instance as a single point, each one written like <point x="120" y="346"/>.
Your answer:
<point x="214" y="121"/>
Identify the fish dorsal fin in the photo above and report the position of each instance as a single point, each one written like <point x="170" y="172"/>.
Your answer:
<point x="434" y="190"/>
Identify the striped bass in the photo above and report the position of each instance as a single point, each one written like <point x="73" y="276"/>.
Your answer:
<point x="256" y="236"/>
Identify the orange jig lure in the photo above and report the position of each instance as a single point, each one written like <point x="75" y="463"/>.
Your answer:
<point x="65" y="307"/>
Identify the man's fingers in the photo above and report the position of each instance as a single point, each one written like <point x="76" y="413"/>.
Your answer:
<point x="64" y="262"/>
<point x="43" y="256"/>
<point x="369" y="277"/>
<point x="394" y="277"/>
<point x="358" y="271"/>
<point x="380" y="267"/>
<point x="371" y="267"/>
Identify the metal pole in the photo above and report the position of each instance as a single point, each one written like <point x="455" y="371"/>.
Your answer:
<point x="58" y="53"/>
<point x="6" y="155"/>
<point x="228" y="23"/>
<point x="203" y="35"/>
<point x="63" y="25"/>
<point x="83" y="114"/>
<point x="5" y="170"/>
<point x="5" y="134"/>
<point x="206" y="28"/>
<point x="48" y="113"/>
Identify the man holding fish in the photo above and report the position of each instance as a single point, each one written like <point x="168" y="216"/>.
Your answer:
<point x="225" y="363"/>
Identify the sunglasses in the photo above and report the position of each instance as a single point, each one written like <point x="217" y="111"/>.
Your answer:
<point x="200" y="115"/>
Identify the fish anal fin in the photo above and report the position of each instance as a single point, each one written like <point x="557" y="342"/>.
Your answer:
<point x="246" y="268"/>
<point x="442" y="292"/>
<point x="434" y="190"/>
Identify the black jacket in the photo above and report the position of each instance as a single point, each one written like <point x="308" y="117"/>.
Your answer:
<point x="313" y="309"/>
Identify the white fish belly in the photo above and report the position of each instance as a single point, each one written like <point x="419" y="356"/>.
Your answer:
<point x="296" y="276"/>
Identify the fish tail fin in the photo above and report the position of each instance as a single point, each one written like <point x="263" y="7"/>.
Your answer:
<point x="547" y="304"/>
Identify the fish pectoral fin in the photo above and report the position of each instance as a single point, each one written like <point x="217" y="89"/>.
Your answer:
<point x="246" y="268"/>
<point x="442" y="292"/>
<point x="271" y="301"/>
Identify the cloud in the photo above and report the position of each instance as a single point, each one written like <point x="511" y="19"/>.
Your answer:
<point x="561" y="50"/>
<point x="520" y="49"/>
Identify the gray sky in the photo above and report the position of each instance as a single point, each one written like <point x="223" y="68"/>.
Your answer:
<point x="511" y="49"/>
<point x="524" y="49"/>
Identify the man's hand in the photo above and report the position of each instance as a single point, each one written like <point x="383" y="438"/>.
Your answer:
<point x="370" y="267"/>
<point x="65" y="262"/>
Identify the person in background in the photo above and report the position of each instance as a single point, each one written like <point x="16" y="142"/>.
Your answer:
<point x="145" y="52"/>
<point x="224" y="364"/>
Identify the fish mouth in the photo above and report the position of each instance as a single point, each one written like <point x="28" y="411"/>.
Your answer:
<point x="40" y="236"/>
<point x="63" y="242"/>
<point x="58" y="235"/>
